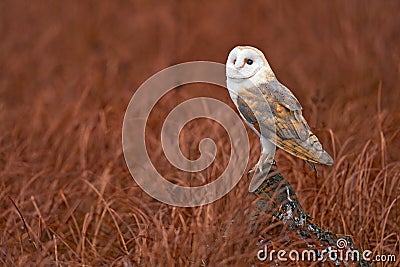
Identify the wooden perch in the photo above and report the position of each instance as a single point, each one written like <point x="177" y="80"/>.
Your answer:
<point x="278" y="198"/>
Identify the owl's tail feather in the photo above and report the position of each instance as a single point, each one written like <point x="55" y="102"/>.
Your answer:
<point x="310" y="149"/>
<point x="312" y="166"/>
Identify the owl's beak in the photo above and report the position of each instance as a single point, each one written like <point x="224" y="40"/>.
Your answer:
<point x="238" y="66"/>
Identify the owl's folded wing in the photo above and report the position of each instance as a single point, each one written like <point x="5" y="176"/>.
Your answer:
<point x="286" y="109"/>
<point x="294" y="135"/>
<point x="290" y="131"/>
<point x="276" y="91"/>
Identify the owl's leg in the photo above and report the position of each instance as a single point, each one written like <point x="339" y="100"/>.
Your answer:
<point x="261" y="162"/>
<point x="263" y="166"/>
<point x="267" y="153"/>
<point x="267" y="156"/>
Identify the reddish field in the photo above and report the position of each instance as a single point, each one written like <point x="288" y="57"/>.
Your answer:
<point x="68" y="71"/>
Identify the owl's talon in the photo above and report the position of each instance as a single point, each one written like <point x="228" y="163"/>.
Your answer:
<point x="251" y="171"/>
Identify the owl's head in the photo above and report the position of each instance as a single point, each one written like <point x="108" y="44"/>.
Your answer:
<point x="244" y="62"/>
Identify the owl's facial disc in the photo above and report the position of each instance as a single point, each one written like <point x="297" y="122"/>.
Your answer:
<point x="243" y="63"/>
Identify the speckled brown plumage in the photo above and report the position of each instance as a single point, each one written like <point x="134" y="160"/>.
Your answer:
<point x="292" y="132"/>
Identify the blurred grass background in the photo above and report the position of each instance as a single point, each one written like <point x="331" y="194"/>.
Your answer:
<point x="69" y="69"/>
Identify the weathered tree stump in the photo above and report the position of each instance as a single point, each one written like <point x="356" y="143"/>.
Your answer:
<point x="277" y="198"/>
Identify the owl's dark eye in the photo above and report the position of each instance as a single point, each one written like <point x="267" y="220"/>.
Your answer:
<point x="249" y="62"/>
<point x="234" y="61"/>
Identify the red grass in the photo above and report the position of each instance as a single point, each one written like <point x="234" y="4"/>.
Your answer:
<point x="67" y="73"/>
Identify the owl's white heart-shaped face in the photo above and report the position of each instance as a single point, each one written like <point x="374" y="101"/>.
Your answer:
<point x="244" y="62"/>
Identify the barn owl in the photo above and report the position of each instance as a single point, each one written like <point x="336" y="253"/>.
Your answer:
<point x="247" y="70"/>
